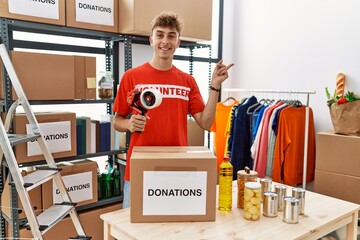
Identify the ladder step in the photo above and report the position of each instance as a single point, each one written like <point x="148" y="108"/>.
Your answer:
<point x="80" y="238"/>
<point x="21" y="138"/>
<point x="39" y="177"/>
<point x="53" y="215"/>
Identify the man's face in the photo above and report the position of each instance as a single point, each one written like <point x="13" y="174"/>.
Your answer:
<point x="164" y="41"/>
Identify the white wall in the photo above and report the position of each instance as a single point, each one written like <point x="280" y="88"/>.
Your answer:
<point x="293" y="45"/>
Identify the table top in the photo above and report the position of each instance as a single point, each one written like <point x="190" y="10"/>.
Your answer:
<point x="323" y="214"/>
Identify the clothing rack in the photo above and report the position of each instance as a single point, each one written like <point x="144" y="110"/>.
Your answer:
<point x="306" y="136"/>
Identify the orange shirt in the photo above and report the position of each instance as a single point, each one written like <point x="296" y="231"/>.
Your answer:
<point x="289" y="147"/>
<point x="219" y="127"/>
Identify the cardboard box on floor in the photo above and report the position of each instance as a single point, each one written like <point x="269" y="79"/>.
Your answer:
<point x="34" y="11"/>
<point x="20" y="121"/>
<point x="135" y="17"/>
<point x="34" y="194"/>
<point x="80" y="178"/>
<point x="337" y="185"/>
<point x="54" y="77"/>
<point x="188" y="174"/>
<point x="337" y="168"/>
<point x="90" y="220"/>
<point x="89" y="16"/>
<point x="338" y="153"/>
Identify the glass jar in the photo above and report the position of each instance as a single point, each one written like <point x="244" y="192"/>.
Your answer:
<point x="252" y="201"/>
<point x="105" y="85"/>
<point x="244" y="176"/>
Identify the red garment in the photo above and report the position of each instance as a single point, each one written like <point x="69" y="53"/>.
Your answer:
<point x="219" y="127"/>
<point x="289" y="147"/>
<point x="167" y="125"/>
<point x="260" y="162"/>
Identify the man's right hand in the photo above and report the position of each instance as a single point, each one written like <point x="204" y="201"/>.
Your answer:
<point x="137" y="123"/>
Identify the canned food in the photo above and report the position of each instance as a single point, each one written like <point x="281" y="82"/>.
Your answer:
<point x="265" y="186"/>
<point x="280" y="189"/>
<point x="270" y="204"/>
<point x="291" y="210"/>
<point x="299" y="193"/>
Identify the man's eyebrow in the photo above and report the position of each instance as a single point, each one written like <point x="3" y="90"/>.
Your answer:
<point x="159" y="31"/>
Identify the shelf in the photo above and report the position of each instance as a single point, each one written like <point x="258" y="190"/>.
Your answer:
<point x="85" y="101"/>
<point x="100" y="203"/>
<point x="67" y="159"/>
<point x="18" y="25"/>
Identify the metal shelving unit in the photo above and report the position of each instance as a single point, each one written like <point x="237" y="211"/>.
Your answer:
<point x="111" y="51"/>
<point x="7" y="28"/>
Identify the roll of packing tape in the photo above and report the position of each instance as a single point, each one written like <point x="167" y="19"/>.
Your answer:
<point x="150" y="98"/>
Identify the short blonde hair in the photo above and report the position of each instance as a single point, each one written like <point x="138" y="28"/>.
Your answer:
<point x="167" y="19"/>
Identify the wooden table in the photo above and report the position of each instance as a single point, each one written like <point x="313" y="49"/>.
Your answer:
<point x="322" y="215"/>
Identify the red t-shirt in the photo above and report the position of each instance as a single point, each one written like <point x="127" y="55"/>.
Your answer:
<point x="167" y="125"/>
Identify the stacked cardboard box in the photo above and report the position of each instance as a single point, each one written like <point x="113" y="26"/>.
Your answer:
<point x="59" y="131"/>
<point x="53" y="76"/>
<point x="337" y="168"/>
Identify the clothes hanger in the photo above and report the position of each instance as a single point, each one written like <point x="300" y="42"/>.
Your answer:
<point x="226" y="101"/>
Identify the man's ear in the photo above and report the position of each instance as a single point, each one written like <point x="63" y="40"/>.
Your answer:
<point x="151" y="40"/>
<point x="178" y="43"/>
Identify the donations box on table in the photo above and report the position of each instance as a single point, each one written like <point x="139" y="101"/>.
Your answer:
<point x="173" y="184"/>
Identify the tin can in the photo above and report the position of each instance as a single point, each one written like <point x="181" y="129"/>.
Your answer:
<point x="252" y="201"/>
<point x="270" y="204"/>
<point x="280" y="189"/>
<point x="265" y="186"/>
<point x="291" y="210"/>
<point x="244" y="176"/>
<point x="299" y="193"/>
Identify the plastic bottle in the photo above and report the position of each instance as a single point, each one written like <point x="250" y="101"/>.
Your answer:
<point x="225" y="185"/>
<point x="116" y="177"/>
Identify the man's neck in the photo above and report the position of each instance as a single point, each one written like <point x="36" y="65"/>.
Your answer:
<point x="161" y="64"/>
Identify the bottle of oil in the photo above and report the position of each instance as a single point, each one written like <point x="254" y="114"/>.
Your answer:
<point x="225" y="185"/>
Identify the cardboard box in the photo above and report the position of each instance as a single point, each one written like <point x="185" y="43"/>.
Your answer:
<point x="85" y="77"/>
<point x="54" y="77"/>
<point x="196" y="135"/>
<point x="337" y="185"/>
<point x="34" y="11"/>
<point x="135" y="17"/>
<point x="80" y="178"/>
<point x="90" y="220"/>
<point x="35" y="198"/>
<point x="338" y="153"/>
<point x="173" y="184"/>
<point x="95" y="17"/>
<point x="62" y="136"/>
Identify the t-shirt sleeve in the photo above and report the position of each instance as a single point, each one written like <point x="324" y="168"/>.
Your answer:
<point x="196" y="103"/>
<point x="120" y="104"/>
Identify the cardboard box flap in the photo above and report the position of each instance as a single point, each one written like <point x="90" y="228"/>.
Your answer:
<point x="169" y="149"/>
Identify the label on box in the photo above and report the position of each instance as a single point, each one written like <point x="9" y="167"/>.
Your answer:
<point x="174" y="192"/>
<point x="44" y="9"/>
<point x="79" y="186"/>
<point x="94" y="11"/>
<point x="57" y="136"/>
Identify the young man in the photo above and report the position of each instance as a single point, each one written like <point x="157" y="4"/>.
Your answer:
<point x="167" y="123"/>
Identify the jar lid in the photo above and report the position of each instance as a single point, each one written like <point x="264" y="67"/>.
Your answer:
<point x="291" y="200"/>
<point x="253" y="185"/>
<point x="271" y="194"/>
<point x="246" y="173"/>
